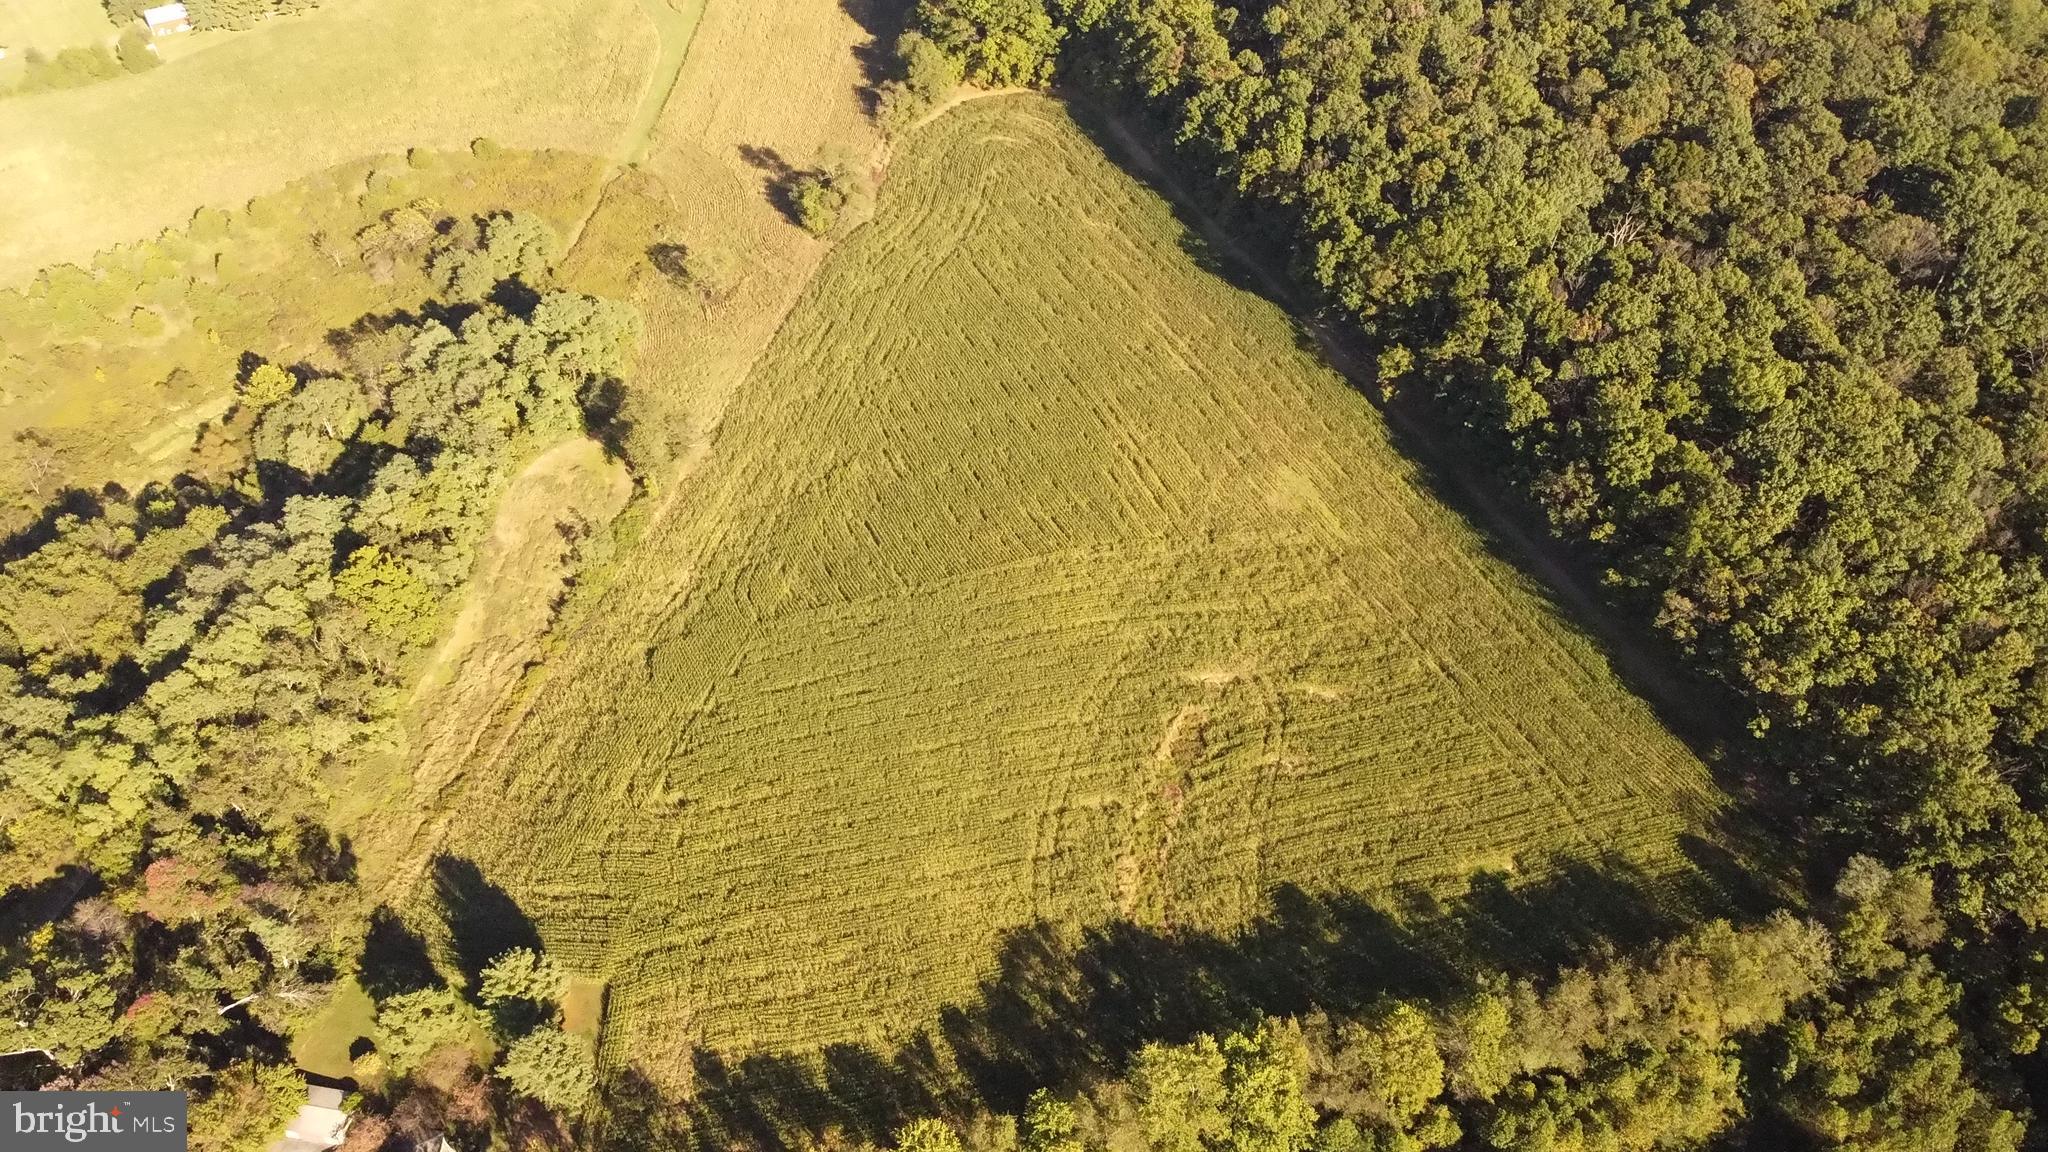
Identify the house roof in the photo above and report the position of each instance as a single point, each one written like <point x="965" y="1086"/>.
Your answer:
<point x="163" y="14"/>
<point x="320" y="1124"/>
<point x="317" y="1126"/>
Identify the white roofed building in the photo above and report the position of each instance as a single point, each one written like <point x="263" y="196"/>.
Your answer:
<point x="165" y="19"/>
<point x="320" y="1124"/>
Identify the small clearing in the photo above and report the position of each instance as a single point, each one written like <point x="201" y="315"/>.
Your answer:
<point x="550" y="513"/>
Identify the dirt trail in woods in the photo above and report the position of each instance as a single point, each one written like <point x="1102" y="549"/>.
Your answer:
<point x="567" y="493"/>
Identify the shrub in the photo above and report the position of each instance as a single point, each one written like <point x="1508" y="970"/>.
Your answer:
<point x="209" y="225"/>
<point x="927" y="75"/>
<point x="134" y="51"/>
<point x="816" y="198"/>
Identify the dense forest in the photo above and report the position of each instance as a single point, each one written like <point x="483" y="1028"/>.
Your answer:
<point x="1636" y="1052"/>
<point x="1781" y="1034"/>
<point x="1751" y="299"/>
<point x="188" y="673"/>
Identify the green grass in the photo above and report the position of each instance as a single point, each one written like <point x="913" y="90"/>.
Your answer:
<point x="106" y="401"/>
<point x="1036" y="573"/>
<point x="676" y="21"/>
<point x="583" y="1008"/>
<point x="52" y="25"/>
<point x="116" y="161"/>
<point x="322" y="1046"/>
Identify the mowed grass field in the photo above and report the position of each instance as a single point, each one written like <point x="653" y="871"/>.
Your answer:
<point x="111" y="162"/>
<point x="704" y="184"/>
<point x="1034" y="573"/>
<point x="98" y="399"/>
<point x="52" y="25"/>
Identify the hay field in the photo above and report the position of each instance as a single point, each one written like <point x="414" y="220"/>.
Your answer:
<point x="703" y="185"/>
<point x="779" y="75"/>
<point x="1034" y="573"/>
<point x="52" y="25"/>
<point x="86" y="168"/>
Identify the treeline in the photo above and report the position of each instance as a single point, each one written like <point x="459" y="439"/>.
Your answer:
<point x="1751" y="298"/>
<point x="234" y="15"/>
<point x="1724" y="1037"/>
<point x="188" y="673"/>
<point x="150" y="333"/>
<point x="133" y="52"/>
<point x="212" y="15"/>
<point x="77" y="67"/>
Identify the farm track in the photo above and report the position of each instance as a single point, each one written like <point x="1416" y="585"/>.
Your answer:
<point x="675" y="30"/>
<point x="1035" y="573"/>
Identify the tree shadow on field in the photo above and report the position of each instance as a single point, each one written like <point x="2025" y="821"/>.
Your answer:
<point x="395" y="959"/>
<point x="1130" y="136"/>
<point x="884" y="21"/>
<point x="483" y="920"/>
<point x="777" y="177"/>
<point x="69" y="501"/>
<point x="605" y="418"/>
<point x="1064" y="1007"/>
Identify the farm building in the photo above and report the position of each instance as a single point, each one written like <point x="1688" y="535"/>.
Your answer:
<point x="165" y="19"/>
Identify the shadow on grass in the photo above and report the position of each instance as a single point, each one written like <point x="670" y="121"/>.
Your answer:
<point x="395" y="959"/>
<point x="778" y="177"/>
<point x="483" y="920"/>
<point x="1065" y="1007"/>
<point x="883" y="21"/>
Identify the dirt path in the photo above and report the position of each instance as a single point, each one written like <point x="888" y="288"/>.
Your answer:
<point x="567" y="491"/>
<point x="885" y="150"/>
<point x="676" y="30"/>
<point x="566" y="496"/>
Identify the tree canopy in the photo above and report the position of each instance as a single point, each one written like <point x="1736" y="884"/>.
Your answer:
<point x="184" y="670"/>
<point x="1749" y="299"/>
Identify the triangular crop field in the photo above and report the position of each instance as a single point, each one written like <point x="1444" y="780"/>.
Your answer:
<point x="1036" y="574"/>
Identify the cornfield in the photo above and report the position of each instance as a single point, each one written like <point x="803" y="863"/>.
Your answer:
<point x="1035" y="574"/>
